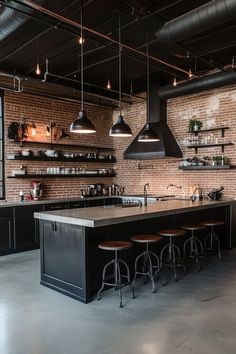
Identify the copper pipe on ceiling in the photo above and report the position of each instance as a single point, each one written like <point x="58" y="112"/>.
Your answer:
<point x="72" y="23"/>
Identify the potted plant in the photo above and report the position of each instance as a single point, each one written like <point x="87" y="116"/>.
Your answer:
<point x="214" y="160"/>
<point x="191" y="124"/>
<point x="197" y="125"/>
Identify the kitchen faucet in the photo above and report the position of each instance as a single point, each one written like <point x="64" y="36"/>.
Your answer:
<point x="193" y="197"/>
<point x="173" y="185"/>
<point x="145" y="193"/>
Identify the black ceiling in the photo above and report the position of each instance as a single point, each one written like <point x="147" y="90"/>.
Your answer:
<point x="37" y="36"/>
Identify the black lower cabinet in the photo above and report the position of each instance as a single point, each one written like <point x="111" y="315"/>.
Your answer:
<point x="26" y="227"/>
<point x="54" y="206"/>
<point x="63" y="267"/>
<point x="77" y="204"/>
<point x="6" y="227"/>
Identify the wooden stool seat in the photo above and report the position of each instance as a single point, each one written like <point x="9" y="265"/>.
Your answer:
<point x="212" y="222"/>
<point x="193" y="227"/>
<point x="146" y="238"/>
<point x="115" y="245"/>
<point x="172" y="232"/>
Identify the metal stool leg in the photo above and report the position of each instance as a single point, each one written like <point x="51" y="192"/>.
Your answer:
<point x="213" y="237"/>
<point x="104" y="278"/>
<point x="147" y="267"/>
<point x="127" y="270"/>
<point x="118" y="278"/>
<point x="136" y="272"/>
<point x="173" y="253"/>
<point x="150" y="269"/>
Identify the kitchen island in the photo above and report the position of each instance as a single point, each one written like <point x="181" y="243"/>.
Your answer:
<point x="71" y="262"/>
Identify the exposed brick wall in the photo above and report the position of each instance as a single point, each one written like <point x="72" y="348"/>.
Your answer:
<point x="218" y="105"/>
<point x="41" y="111"/>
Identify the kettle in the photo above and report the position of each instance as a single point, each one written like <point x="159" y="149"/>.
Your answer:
<point x="215" y="194"/>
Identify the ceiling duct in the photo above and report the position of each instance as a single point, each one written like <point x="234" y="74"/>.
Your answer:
<point x="205" y="83"/>
<point x="167" y="145"/>
<point x="198" y="20"/>
<point x="12" y="19"/>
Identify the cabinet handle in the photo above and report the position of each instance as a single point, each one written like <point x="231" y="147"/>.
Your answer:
<point x="54" y="226"/>
<point x="77" y="205"/>
<point x="55" y="207"/>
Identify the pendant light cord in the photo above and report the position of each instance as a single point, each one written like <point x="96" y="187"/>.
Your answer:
<point x="120" y="48"/>
<point x="148" y="71"/>
<point x="82" y="58"/>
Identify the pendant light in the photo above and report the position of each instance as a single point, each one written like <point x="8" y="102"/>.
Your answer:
<point x="82" y="124"/>
<point x="148" y="135"/>
<point x="120" y="129"/>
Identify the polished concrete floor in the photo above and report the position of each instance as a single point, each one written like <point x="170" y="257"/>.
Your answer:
<point x="196" y="315"/>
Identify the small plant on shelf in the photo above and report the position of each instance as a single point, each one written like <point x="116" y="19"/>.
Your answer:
<point x="194" y="125"/>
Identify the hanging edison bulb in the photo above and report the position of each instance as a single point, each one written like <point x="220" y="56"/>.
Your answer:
<point x="190" y="74"/>
<point x="81" y="39"/>
<point x="174" y="82"/>
<point x="37" y="70"/>
<point x="108" y="84"/>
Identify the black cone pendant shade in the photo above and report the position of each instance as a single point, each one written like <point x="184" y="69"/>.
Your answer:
<point x="120" y="129"/>
<point x="82" y="124"/>
<point x="148" y="135"/>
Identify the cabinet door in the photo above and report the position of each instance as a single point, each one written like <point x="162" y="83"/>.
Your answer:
<point x="112" y="201"/>
<point x="26" y="227"/>
<point x="63" y="258"/>
<point x="6" y="227"/>
<point x="95" y="202"/>
<point x="77" y="204"/>
<point x="54" y="206"/>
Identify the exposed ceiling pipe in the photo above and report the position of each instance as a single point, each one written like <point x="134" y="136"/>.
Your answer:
<point x="11" y="19"/>
<point x="205" y="83"/>
<point x="74" y="24"/>
<point x="198" y="20"/>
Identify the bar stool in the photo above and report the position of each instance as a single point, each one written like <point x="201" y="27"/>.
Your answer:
<point x="147" y="266"/>
<point x="115" y="246"/>
<point x="212" y="236"/>
<point x="173" y="252"/>
<point x="196" y="247"/>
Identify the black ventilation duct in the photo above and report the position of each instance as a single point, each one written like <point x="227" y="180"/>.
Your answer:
<point x="198" y="20"/>
<point x="12" y="19"/>
<point x="205" y="83"/>
<point x="167" y="146"/>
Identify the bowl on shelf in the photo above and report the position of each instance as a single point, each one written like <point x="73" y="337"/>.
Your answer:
<point x="50" y="153"/>
<point x="25" y="152"/>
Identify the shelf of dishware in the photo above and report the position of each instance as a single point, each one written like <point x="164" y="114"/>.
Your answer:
<point x="67" y="158"/>
<point x="207" y="167"/>
<point x="69" y="175"/>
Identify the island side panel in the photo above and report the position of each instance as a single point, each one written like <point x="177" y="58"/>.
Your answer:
<point x="63" y="263"/>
